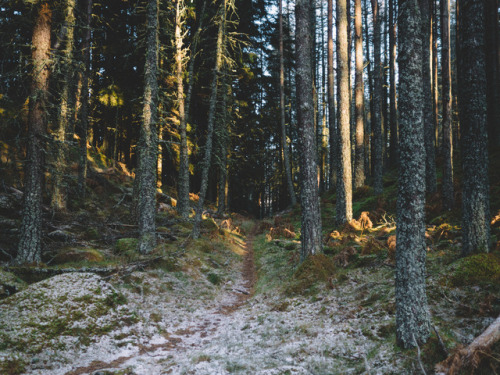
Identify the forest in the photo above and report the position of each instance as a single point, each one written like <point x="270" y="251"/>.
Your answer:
<point x="249" y="187"/>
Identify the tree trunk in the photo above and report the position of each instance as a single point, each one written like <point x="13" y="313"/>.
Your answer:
<point x="223" y="141"/>
<point x="435" y="79"/>
<point x="311" y="218"/>
<point x="83" y="123"/>
<point x="211" y="120"/>
<point x="492" y="73"/>
<point x="412" y="320"/>
<point x="359" y="165"/>
<point x="447" y="146"/>
<point x="430" y="132"/>
<point x="148" y="141"/>
<point x="66" y="110"/>
<point x="331" y="99"/>
<point x="284" y="143"/>
<point x="474" y="140"/>
<point x="368" y="130"/>
<point x="394" y="142"/>
<point x="344" y="173"/>
<point x="30" y="244"/>
<point x="377" y="148"/>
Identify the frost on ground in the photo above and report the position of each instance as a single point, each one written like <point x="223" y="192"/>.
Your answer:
<point x="191" y="322"/>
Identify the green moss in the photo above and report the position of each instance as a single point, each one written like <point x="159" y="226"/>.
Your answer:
<point x="12" y="366"/>
<point x="125" y="245"/>
<point x="214" y="278"/>
<point x="316" y="268"/>
<point x="477" y="269"/>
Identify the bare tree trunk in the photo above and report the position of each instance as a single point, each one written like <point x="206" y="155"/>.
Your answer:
<point x="359" y="165"/>
<point x="447" y="150"/>
<point x="148" y="141"/>
<point x="435" y="79"/>
<point x="331" y="99"/>
<point x="430" y="132"/>
<point x="344" y="172"/>
<point x="377" y="148"/>
<point x="471" y="65"/>
<point x="284" y="143"/>
<point x="66" y="111"/>
<point x="211" y="119"/>
<point x="394" y="142"/>
<point x="412" y="320"/>
<point x="223" y="140"/>
<point x="183" y="184"/>
<point x="368" y="130"/>
<point x="30" y="244"/>
<point x="311" y="218"/>
<point x="493" y="75"/>
<point x="83" y="123"/>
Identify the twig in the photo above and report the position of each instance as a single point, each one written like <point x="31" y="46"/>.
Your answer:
<point x="121" y="200"/>
<point x="441" y="343"/>
<point x="419" y="356"/>
<point x="6" y="253"/>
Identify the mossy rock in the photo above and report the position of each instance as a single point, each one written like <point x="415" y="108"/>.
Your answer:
<point x="126" y="245"/>
<point x="316" y="268"/>
<point x="78" y="255"/>
<point x="477" y="269"/>
<point x="10" y="284"/>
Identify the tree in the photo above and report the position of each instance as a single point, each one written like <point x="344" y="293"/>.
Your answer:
<point x="284" y="143"/>
<point x="359" y="164"/>
<point x="393" y="113"/>
<point x="412" y="321"/>
<point x="377" y="148"/>
<point x="221" y="36"/>
<point x="30" y="244"/>
<point x="309" y="196"/>
<point x="447" y="146"/>
<point x="331" y="99"/>
<point x="148" y="142"/>
<point x="471" y="65"/>
<point x="344" y="173"/>
<point x="430" y="135"/>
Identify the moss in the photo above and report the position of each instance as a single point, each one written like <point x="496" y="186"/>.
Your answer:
<point x="316" y="268"/>
<point x="214" y="278"/>
<point x="477" y="269"/>
<point x="78" y="255"/>
<point x="126" y="245"/>
<point x="12" y="366"/>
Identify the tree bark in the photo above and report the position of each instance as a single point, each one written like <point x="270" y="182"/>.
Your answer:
<point x="430" y="130"/>
<point x="377" y="148"/>
<point x="393" y="113"/>
<point x="66" y="111"/>
<point x="331" y="100"/>
<point x="359" y="165"/>
<point x="83" y="123"/>
<point x="30" y="244"/>
<point x="474" y="140"/>
<point x="148" y="141"/>
<point x="211" y="120"/>
<point x="447" y="146"/>
<point x="344" y="172"/>
<point x="284" y="143"/>
<point x="311" y="218"/>
<point x="493" y="75"/>
<point x="412" y="320"/>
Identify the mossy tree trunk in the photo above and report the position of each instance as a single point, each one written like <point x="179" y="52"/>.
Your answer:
<point x="309" y="195"/>
<point x="30" y="241"/>
<point x="148" y="141"/>
<point x="473" y="118"/>
<point x="412" y="320"/>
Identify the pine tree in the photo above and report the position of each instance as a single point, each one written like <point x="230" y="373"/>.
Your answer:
<point x="359" y="165"/>
<point x="412" y="321"/>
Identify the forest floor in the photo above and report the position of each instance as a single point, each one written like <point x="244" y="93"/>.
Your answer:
<point x="236" y="301"/>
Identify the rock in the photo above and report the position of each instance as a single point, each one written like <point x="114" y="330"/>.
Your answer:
<point x="10" y="284"/>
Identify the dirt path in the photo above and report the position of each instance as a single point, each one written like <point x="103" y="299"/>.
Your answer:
<point x="240" y="294"/>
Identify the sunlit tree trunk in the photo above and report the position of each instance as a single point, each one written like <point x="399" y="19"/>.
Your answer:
<point x="331" y="100"/>
<point x="284" y="143"/>
<point x="377" y="148"/>
<point x="359" y="167"/>
<point x="430" y="130"/>
<point x="30" y="241"/>
<point x="412" y="320"/>
<point x="211" y="120"/>
<point x="83" y="121"/>
<point x="344" y="171"/>
<point x="66" y="110"/>
<point x="311" y="219"/>
<point x="471" y="66"/>
<point x="394" y="142"/>
<point x="148" y="141"/>
<point x="447" y="145"/>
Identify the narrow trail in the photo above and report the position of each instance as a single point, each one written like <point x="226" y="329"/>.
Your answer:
<point x="198" y="334"/>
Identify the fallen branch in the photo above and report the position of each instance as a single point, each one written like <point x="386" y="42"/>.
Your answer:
<point x="472" y="355"/>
